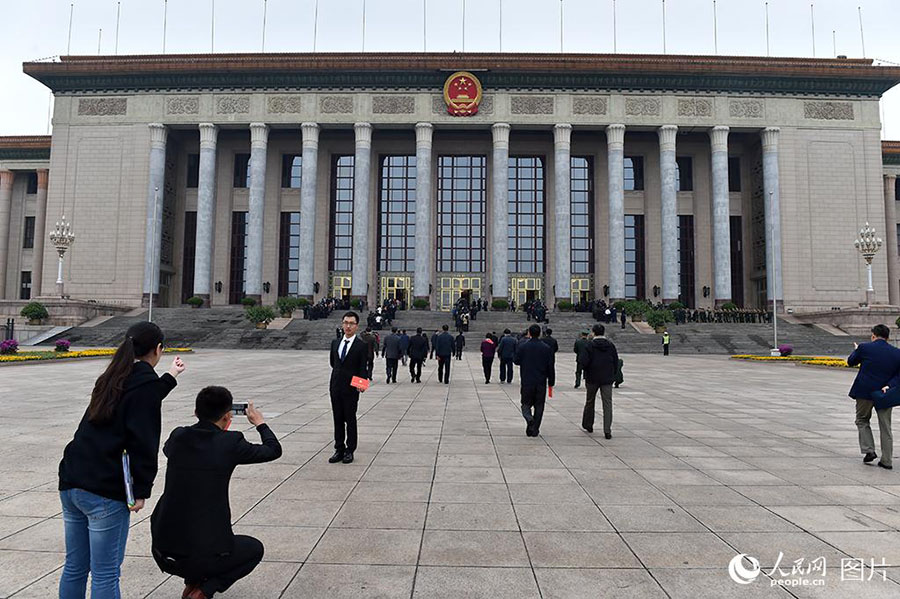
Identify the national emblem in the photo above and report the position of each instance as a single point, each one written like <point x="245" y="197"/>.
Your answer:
<point x="462" y="93"/>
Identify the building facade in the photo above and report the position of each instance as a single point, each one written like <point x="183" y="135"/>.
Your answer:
<point x="701" y="179"/>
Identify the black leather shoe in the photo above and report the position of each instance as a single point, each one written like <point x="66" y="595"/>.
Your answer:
<point x="870" y="457"/>
<point x="607" y="435"/>
<point x="590" y="430"/>
<point x="348" y="457"/>
<point x="337" y="457"/>
<point x="885" y="466"/>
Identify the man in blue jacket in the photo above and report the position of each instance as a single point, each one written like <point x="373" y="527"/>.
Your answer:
<point x="506" y="350"/>
<point x="443" y="349"/>
<point x="536" y="369"/>
<point x="879" y="367"/>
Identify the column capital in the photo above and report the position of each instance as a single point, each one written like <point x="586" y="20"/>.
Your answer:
<point x="309" y="132"/>
<point x="43" y="176"/>
<point x="562" y="135"/>
<point x="424" y="132"/>
<point x="718" y="137"/>
<point x="363" y="133"/>
<point x="158" y="135"/>
<point x="890" y="177"/>
<point x="501" y="135"/>
<point x="770" y="139"/>
<point x="259" y="135"/>
<point x="615" y="137"/>
<point x="667" y="135"/>
<point x="6" y="178"/>
<point x="208" y="136"/>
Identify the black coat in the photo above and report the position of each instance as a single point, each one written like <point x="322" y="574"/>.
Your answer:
<point x="535" y="360"/>
<point x="93" y="459"/>
<point x="551" y="343"/>
<point x="460" y="342"/>
<point x="506" y="349"/>
<point x="193" y="516"/>
<point x="354" y="364"/>
<point x="391" y="347"/>
<point x="443" y="345"/>
<point x="418" y="347"/>
<point x="599" y="362"/>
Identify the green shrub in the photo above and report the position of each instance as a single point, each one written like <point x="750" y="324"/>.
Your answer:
<point x="196" y="301"/>
<point x="659" y="318"/>
<point x="676" y="305"/>
<point x="355" y="303"/>
<point x="286" y="305"/>
<point x="258" y="314"/>
<point x="500" y="304"/>
<point x="619" y="305"/>
<point x="729" y="306"/>
<point x="302" y="302"/>
<point x="564" y="305"/>
<point x="420" y="303"/>
<point x="636" y="308"/>
<point x="35" y="311"/>
<point x="248" y="302"/>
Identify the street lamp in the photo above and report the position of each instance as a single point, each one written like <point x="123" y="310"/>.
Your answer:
<point x="61" y="237"/>
<point x="868" y="245"/>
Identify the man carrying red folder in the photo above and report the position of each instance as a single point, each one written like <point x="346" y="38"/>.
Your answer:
<point x="348" y="359"/>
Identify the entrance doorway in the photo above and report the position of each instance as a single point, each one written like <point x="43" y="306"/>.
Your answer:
<point x="525" y="289"/>
<point x="396" y="287"/>
<point x="340" y="286"/>
<point x="452" y="289"/>
<point x="581" y="290"/>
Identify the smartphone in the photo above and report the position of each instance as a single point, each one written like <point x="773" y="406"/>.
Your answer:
<point x="239" y="409"/>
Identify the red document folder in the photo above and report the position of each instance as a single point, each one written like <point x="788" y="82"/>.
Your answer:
<point x="360" y="383"/>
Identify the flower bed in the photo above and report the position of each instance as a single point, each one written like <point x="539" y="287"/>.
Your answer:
<point x="831" y="362"/>
<point x="32" y="356"/>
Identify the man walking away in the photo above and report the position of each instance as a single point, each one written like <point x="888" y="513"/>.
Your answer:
<point x="624" y="317"/>
<point x="552" y="343"/>
<point x="391" y="353"/>
<point x="459" y="344"/>
<point x="879" y="367"/>
<point x="599" y="363"/>
<point x="434" y="337"/>
<point x="443" y="349"/>
<point x="535" y="360"/>
<point x="507" y="350"/>
<point x="349" y="358"/>
<point x="404" y="345"/>
<point x="418" y="351"/>
<point x="488" y="348"/>
<point x="581" y="345"/>
<point x="665" y="342"/>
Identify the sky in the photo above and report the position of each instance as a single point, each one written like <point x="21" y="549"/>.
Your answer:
<point x="38" y="29"/>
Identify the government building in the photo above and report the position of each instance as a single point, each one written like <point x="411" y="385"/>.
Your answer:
<point x="560" y="177"/>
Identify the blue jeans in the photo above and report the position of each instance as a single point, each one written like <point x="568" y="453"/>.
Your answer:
<point x="96" y="533"/>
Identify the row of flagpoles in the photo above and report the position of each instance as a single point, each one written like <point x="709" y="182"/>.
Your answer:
<point x="464" y="3"/>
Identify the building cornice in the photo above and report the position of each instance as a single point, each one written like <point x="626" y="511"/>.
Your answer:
<point x="890" y="152"/>
<point x="25" y="147"/>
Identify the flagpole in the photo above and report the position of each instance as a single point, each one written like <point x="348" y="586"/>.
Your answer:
<point x="212" y="24"/>
<point x="265" y="14"/>
<point x="767" y="30"/>
<point x="664" y="25"/>
<point x="615" y="36"/>
<point x="834" y="41"/>
<point x="424" y="25"/>
<point x="862" y="37"/>
<point x="812" y="20"/>
<point x="118" y="15"/>
<point x="364" y="26"/>
<point x="165" y="22"/>
<point x="463" y="25"/>
<point x="71" y="16"/>
<point x="501" y="25"/>
<point x="99" y="40"/>
<point x="561" y="4"/>
<point x="316" y="26"/>
<point x="715" y="29"/>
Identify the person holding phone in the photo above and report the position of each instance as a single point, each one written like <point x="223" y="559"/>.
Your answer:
<point x="124" y="414"/>
<point x="191" y="524"/>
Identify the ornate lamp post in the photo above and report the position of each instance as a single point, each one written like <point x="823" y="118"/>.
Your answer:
<point x="61" y="237"/>
<point x="868" y="245"/>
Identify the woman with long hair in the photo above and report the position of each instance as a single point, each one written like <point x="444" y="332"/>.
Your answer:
<point x="124" y="415"/>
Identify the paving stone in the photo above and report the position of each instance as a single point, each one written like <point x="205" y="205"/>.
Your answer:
<point x="367" y="546"/>
<point x="580" y="583"/>
<point x="473" y="548"/>
<point x="351" y="582"/>
<point x="434" y="582"/>
<point x="579" y="550"/>
<point x="385" y="515"/>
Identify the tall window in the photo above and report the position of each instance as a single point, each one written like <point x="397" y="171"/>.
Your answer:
<point x="291" y="169"/>
<point x="634" y="173"/>
<point x="25" y="285"/>
<point x="289" y="254"/>
<point x="32" y="184"/>
<point x="241" y="170"/>
<point x="193" y="171"/>
<point x="461" y="214"/>
<point x="686" y="260"/>
<point x="634" y="256"/>
<point x="526" y="214"/>
<point x="342" y="213"/>
<point x="582" y="227"/>
<point x="397" y="217"/>
<point x="734" y="173"/>
<point x="237" y="283"/>
<point x="737" y="262"/>
<point x="189" y="255"/>
<point x="684" y="173"/>
<point x="28" y="233"/>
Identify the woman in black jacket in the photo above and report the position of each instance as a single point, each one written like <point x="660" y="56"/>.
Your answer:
<point x="124" y="415"/>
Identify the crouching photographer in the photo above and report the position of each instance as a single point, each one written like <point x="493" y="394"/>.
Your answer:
<point x="191" y="525"/>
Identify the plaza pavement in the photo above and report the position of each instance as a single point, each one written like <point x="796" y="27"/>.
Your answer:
<point x="449" y="498"/>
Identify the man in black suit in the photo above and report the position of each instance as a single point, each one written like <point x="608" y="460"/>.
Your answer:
<point x="390" y="351"/>
<point x="535" y="360"/>
<point x="191" y="524"/>
<point x="418" y="351"/>
<point x="443" y="349"/>
<point x="349" y="358"/>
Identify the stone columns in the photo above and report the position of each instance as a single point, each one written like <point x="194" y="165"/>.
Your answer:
<point x="206" y="212"/>
<point x="40" y="233"/>
<point x="362" y="166"/>
<point x="6" y="185"/>
<point x="721" y="224"/>
<point x="424" y="203"/>
<point x="669" y="202"/>
<point x="562" y="144"/>
<point x="308" y="187"/>
<point x="890" y="237"/>
<point x="500" y="212"/>
<point x="155" y="192"/>
<point x="259" y="142"/>
<point x="774" y="290"/>
<point x="615" y="162"/>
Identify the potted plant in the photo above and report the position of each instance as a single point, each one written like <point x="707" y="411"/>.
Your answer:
<point x="35" y="312"/>
<point x="261" y="316"/>
<point x="302" y="302"/>
<point x="785" y="350"/>
<point x="355" y="303"/>
<point x="422" y="304"/>
<point x="500" y="305"/>
<point x="195" y="301"/>
<point x="62" y="345"/>
<point x="10" y="346"/>
<point x="636" y="309"/>
<point x="676" y="305"/>
<point x="286" y="305"/>
<point x="248" y="302"/>
<point x="564" y="305"/>
<point x="729" y="306"/>
<point x="658" y="319"/>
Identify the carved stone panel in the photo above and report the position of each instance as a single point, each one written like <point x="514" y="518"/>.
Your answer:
<point x="589" y="105"/>
<point x="393" y="104"/>
<point x="642" y="106"/>
<point x="285" y="104"/>
<point x="531" y="105"/>
<point x="233" y="105"/>
<point x="439" y="106"/>
<point x="746" y="109"/>
<point x="695" y="107"/>
<point x="828" y="111"/>
<point x="102" y="106"/>
<point x="183" y="105"/>
<point x="336" y="104"/>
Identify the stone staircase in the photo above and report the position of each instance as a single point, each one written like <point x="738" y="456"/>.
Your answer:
<point x="227" y="328"/>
